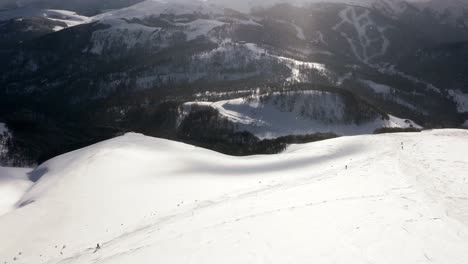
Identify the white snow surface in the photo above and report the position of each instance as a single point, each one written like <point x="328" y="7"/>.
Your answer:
<point x="68" y="17"/>
<point x="14" y="183"/>
<point x="146" y="200"/>
<point x="156" y="8"/>
<point x="295" y="113"/>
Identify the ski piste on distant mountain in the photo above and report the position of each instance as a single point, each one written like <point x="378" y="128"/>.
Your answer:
<point x="127" y="66"/>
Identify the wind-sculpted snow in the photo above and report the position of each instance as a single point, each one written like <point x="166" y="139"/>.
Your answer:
<point x="383" y="199"/>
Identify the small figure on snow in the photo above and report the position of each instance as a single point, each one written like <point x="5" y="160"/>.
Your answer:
<point x="98" y="247"/>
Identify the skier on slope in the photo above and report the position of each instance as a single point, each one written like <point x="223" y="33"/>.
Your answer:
<point x="98" y="247"/>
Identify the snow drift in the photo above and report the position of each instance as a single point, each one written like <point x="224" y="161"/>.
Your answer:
<point x="381" y="198"/>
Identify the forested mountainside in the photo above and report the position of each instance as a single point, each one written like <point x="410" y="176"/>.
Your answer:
<point x="71" y="79"/>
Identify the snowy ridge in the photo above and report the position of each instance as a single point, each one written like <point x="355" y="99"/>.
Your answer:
<point x="295" y="113"/>
<point x="129" y="35"/>
<point x="382" y="198"/>
<point x="156" y="8"/>
<point x="69" y="18"/>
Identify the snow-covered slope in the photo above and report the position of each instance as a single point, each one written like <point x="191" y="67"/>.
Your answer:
<point x="67" y="17"/>
<point x="14" y="182"/>
<point x="130" y="34"/>
<point x="380" y="199"/>
<point x="156" y="7"/>
<point x="297" y="113"/>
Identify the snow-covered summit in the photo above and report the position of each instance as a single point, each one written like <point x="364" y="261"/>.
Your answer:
<point x="158" y="7"/>
<point x="382" y="198"/>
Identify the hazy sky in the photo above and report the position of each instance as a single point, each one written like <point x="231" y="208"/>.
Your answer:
<point x="243" y="5"/>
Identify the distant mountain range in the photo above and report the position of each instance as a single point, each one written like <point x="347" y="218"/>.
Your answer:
<point x="74" y="77"/>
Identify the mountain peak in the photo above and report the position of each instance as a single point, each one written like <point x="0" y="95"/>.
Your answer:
<point x="156" y="7"/>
